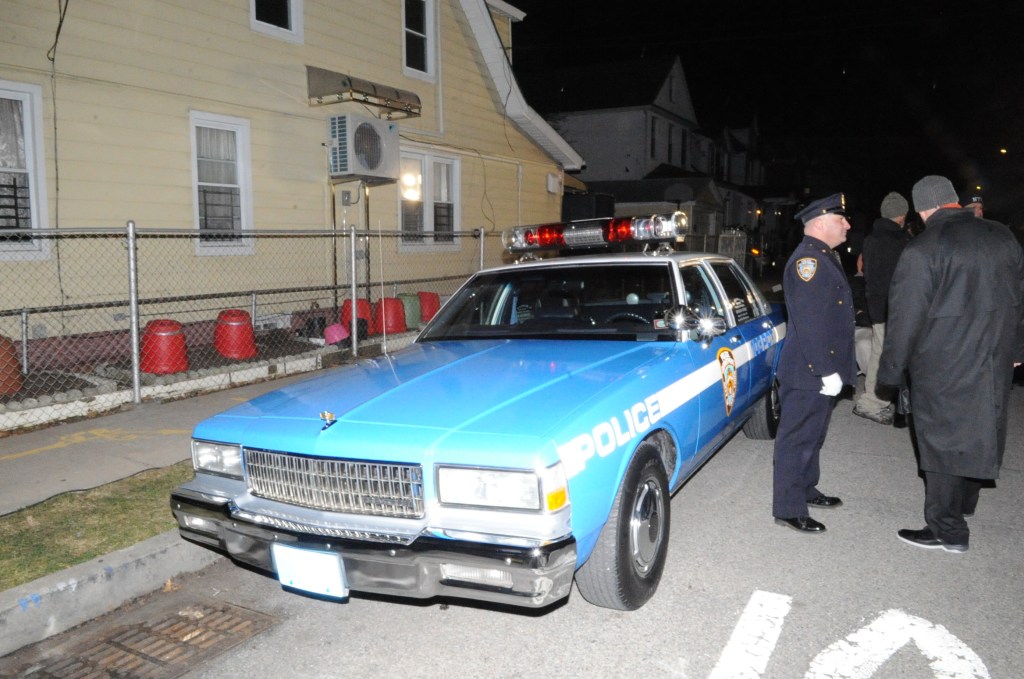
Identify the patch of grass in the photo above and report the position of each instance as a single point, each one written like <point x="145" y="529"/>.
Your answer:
<point x="75" y="527"/>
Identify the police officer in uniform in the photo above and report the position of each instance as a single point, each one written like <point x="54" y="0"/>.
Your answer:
<point x="817" y="359"/>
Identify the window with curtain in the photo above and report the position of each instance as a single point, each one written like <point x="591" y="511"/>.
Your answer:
<point x="418" y="19"/>
<point x="429" y="199"/>
<point x="15" y="184"/>
<point x="22" y="183"/>
<point x="221" y="170"/>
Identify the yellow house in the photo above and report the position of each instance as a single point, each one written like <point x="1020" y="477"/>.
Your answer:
<point x="230" y="118"/>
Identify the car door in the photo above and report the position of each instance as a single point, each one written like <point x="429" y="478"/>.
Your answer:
<point x="755" y="350"/>
<point x="717" y="373"/>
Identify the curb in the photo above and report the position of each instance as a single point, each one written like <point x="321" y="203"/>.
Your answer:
<point x="54" y="603"/>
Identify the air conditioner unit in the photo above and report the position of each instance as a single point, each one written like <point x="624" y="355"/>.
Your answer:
<point x="363" y="148"/>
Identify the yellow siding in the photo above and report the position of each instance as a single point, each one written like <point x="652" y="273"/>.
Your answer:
<point x="127" y="76"/>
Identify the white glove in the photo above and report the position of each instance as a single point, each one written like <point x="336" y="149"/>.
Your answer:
<point x="831" y="385"/>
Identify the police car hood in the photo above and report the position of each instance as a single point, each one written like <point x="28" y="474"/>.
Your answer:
<point x="432" y="391"/>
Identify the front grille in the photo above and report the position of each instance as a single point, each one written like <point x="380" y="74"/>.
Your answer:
<point x="326" y="531"/>
<point x="332" y="485"/>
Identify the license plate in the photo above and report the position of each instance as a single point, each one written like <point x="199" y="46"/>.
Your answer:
<point x="320" y="573"/>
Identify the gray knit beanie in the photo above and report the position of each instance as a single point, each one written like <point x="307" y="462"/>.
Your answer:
<point x="933" y="191"/>
<point x="894" y="205"/>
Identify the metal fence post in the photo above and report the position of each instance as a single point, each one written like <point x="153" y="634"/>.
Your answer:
<point x="133" y="313"/>
<point x="353" y="303"/>
<point x="24" y="341"/>
<point x="482" y="237"/>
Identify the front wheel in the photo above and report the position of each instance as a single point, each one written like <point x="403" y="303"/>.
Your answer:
<point x="625" y="567"/>
<point x="764" y="422"/>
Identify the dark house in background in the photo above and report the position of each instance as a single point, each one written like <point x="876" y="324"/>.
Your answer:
<point x="635" y="124"/>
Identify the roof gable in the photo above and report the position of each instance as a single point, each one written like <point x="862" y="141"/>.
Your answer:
<point x="507" y="88"/>
<point x="657" y="81"/>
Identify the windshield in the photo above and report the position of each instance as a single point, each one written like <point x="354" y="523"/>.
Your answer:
<point x="599" y="301"/>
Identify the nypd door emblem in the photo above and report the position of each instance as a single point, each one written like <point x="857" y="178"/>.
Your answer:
<point x="730" y="382"/>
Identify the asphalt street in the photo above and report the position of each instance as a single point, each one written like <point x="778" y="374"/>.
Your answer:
<point x="740" y="597"/>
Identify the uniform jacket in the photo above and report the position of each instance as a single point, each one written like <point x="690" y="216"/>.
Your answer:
<point x="882" y="250"/>
<point x="820" y="318"/>
<point x="956" y="324"/>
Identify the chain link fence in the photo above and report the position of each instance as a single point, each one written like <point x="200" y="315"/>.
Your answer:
<point x="104" y="318"/>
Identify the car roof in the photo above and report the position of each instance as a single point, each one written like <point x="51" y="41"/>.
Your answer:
<point x="614" y="258"/>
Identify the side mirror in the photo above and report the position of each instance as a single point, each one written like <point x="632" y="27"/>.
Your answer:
<point x="699" y="325"/>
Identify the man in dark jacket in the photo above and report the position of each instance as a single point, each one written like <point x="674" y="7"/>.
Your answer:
<point x="817" y="359"/>
<point x="882" y="249"/>
<point x="862" y="320"/>
<point x="956" y="325"/>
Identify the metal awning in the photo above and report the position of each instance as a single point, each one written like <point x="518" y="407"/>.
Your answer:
<point x="572" y="183"/>
<point x="331" y="87"/>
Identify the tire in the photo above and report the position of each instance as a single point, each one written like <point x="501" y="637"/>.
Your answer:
<point x="625" y="567"/>
<point x="764" y="422"/>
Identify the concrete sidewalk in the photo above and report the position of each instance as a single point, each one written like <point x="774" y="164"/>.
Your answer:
<point x="38" y="465"/>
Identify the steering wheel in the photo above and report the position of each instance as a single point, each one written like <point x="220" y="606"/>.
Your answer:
<point x="627" y="316"/>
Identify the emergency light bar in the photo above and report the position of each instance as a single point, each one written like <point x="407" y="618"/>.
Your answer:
<point x="588" y="233"/>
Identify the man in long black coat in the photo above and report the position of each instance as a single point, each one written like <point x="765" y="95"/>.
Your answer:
<point x="956" y="325"/>
<point x="817" y="359"/>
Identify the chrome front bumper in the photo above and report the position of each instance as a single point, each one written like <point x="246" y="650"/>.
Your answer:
<point x="429" y="566"/>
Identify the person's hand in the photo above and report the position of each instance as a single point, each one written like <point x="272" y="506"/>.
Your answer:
<point x="831" y="385"/>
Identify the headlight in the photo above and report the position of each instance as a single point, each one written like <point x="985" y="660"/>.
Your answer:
<point x="217" y="458"/>
<point x="503" y="489"/>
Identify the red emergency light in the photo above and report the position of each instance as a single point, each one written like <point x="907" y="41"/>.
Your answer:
<point x="590" y="233"/>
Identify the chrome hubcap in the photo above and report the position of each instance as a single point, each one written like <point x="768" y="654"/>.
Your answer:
<point x="646" y="527"/>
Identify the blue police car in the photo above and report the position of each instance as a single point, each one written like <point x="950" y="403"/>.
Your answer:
<point x="531" y="436"/>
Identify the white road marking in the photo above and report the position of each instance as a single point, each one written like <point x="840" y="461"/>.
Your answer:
<point x="753" y="640"/>
<point x="860" y="654"/>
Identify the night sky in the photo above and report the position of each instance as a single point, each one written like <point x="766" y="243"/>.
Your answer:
<point x="892" y="91"/>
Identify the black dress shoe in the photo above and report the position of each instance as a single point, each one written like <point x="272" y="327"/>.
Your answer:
<point x="926" y="538"/>
<point x="825" y="502"/>
<point x="899" y="420"/>
<point x="804" y="524"/>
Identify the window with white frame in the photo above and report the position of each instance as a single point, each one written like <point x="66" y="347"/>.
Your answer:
<point x="420" y="38"/>
<point x="221" y="171"/>
<point x="278" y="18"/>
<point x="22" y="171"/>
<point x="429" y="199"/>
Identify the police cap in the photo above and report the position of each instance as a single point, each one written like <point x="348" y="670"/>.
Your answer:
<point x="832" y="205"/>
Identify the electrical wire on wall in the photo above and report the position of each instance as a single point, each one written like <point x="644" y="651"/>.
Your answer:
<point x="51" y="55"/>
<point x="485" y="198"/>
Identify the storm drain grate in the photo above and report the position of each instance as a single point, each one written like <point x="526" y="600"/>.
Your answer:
<point x="160" y="649"/>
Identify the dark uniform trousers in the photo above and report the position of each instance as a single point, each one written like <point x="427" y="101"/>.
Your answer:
<point x="947" y="498"/>
<point x="802" y="430"/>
